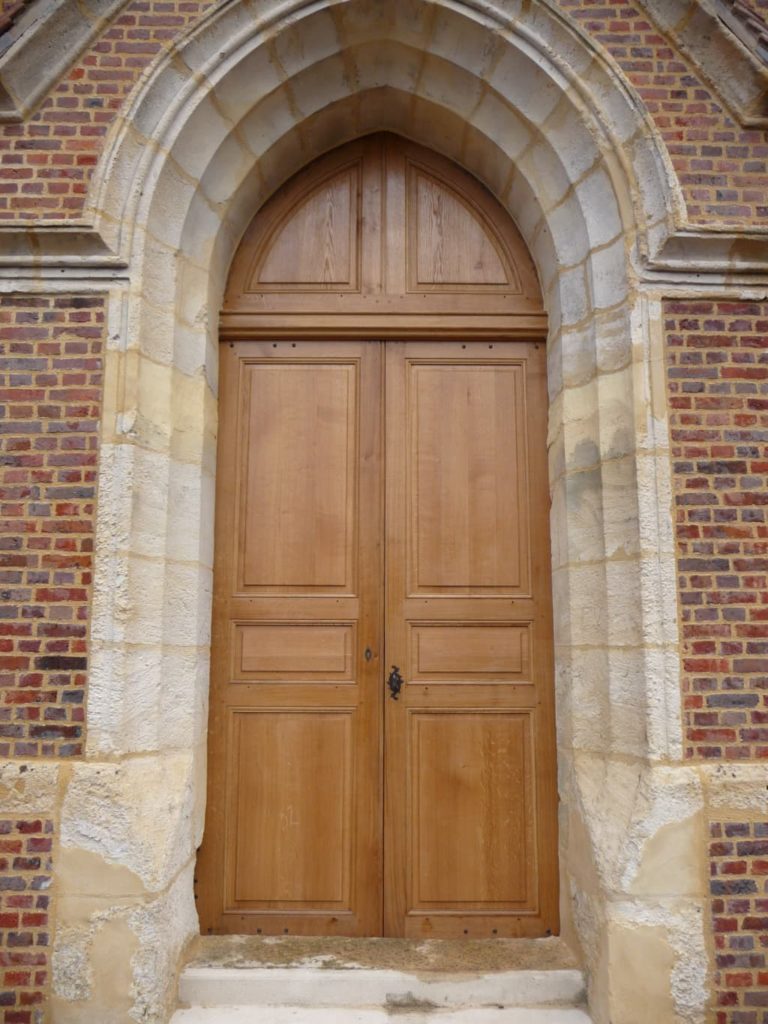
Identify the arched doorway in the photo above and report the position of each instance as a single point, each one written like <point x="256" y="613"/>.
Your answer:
<point x="382" y="726"/>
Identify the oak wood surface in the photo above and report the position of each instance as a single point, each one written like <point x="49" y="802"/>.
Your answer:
<point x="389" y="497"/>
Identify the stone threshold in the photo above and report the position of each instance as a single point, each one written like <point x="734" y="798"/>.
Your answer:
<point x="416" y="956"/>
<point x="364" y="981"/>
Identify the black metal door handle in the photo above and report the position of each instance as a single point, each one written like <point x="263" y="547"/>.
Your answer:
<point x="395" y="682"/>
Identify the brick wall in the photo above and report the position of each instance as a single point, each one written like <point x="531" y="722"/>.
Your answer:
<point x="739" y="905"/>
<point x="718" y="397"/>
<point x="721" y="166"/>
<point x="46" y="163"/>
<point x="25" y="876"/>
<point x="50" y="396"/>
<point x="50" y="399"/>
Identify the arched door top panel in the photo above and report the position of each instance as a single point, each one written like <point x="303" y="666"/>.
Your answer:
<point x="370" y="230"/>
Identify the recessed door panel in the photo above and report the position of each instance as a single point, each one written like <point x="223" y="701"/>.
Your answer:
<point x="471" y="804"/>
<point x="296" y="530"/>
<point x="468" y="522"/>
<point x="291" y="797"/>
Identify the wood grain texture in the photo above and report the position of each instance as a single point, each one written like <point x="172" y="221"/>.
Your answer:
<point x="468" y="522"/>
<point x="470" y="651"/>
<point x="317" y="244"/>
<point x="292" y="651"/>
<point x="296" y="528"/>
<point x="470" y="750"/>
<point x="382" y="227"/>
<point x="288" y="765"/>
<point x="449" y="244"/>
<point x="332" y="809"/>
<point x="293" y="826"/>
<point x="472" y="802"/>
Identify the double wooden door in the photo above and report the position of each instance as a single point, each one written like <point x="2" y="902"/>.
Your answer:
<point x="381" y="755"/>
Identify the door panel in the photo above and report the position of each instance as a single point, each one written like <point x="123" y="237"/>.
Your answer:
<point x="471" y="785"/>
<point x="287" y="763"/>
<point x="293" y="834"/>
<point x="470" y="790"/>
<point x="297" y="523"/>
<point x="468" y="493"/>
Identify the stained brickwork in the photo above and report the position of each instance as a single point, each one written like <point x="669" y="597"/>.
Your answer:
<point x="739" y="904"/>
<point x="25" y="934"/>
<point x="721" y="166"/>
<point x="46" y="163"/>
<point x="718" y="398"/>
<point x="50" y="395"/>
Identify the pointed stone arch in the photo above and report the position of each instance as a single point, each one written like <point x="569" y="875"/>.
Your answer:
<point x="517" y="97"/>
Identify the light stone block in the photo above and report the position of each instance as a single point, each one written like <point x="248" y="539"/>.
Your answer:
<point x="29" y="789"/>
<point x="163" y="926"/>
<point x="210" y="49"/>
<point x="523" y="204"/>
<point x="146" y="699"/>
<point x="607" y="274"/>
<point x="271" y="119"/>
<point x="464" y="41"/>
<point x="573" y="294"/>
<point x="320" y="85"/>
<point x="530" y="88"/>
<point x="191" y="497"/>
<point x="386" y="63"/>
<point x="164" y="219"/>
<point x="172" y="82"/>
<point x="596" y="195"/>
<point x="736" y="790"/>
<point x="107" y="807"/>
<point x="542" y="166"/>
<point x="569" y="232"/>
<point x="613" y="337"/>
<point x="579" y="347"/>
<point x="573" y="137"/>
<point x="187" y="608"/>
<point x="231" y="162"/>
<point x="306" y="41"/>
<point x="626" y="622"/>
<point x="583" y="516"/>
<point x="409" y="22"/>
<point x="621" y="527"/>
<point x="245" y="82"/>
<point x="450" y="85"/>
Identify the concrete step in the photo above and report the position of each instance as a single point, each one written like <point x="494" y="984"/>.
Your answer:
<point x="239" y="980"/>
<point x="306" y="1015"/>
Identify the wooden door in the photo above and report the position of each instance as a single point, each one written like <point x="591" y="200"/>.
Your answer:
<point x="293" y="833"/>
<point x="470" y="826"/>
<point x="364" y="476"/>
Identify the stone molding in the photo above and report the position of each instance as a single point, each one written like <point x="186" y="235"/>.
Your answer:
<point x="49" y="37"/>
<point x="688" y="252"/>
<point x="734" y="71"/>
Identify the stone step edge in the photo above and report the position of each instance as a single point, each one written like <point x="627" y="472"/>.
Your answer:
<point x="363" y="987"/>
<point x="336" y="1015"/>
